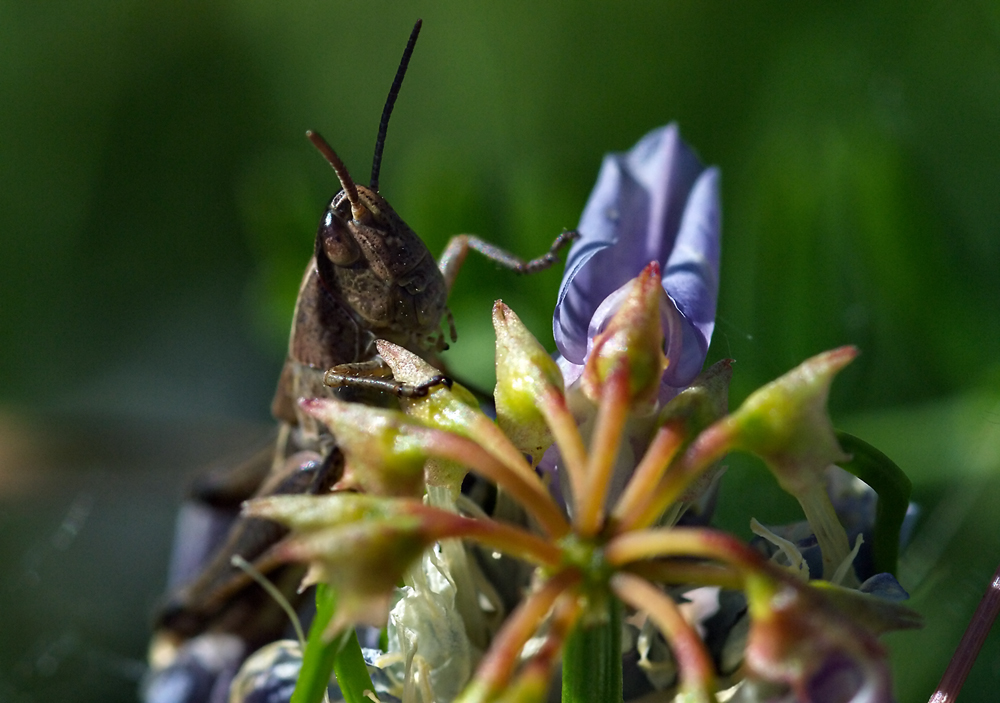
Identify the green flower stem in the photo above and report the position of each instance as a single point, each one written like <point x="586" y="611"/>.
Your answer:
<point x="572" y="451"/>
<point x="320" y="658"/>
<point x="527" y="489"/>
<point x="605" y="443"/>
<point x="697" y="673"/>
<point x="648" y="473"/>
<point x="893" y="489"/>
<point x="317" y="659"/>
<point x="592" y="659"/>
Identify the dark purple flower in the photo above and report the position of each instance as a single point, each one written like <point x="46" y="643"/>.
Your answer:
<point x="656" y="202"/>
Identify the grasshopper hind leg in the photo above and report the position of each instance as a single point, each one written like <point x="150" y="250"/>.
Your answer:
<point x="221" y="596"/>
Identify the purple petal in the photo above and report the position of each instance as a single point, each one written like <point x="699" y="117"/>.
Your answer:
<point x="837" y="681"/>
<point x="691" y="276"/>
<point x="884" y="586"/>
<point x="654" y="203"/>
<point x="842" y="679"/>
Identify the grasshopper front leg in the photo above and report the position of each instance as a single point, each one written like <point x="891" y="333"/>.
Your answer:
<point x="376" y="375"/>
<point x="459" y="246"/>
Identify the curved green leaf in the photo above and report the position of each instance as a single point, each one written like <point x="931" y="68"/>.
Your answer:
<point x="893" y="489"/>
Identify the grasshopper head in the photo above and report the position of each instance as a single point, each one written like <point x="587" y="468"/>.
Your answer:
<point x="370" y="259"/>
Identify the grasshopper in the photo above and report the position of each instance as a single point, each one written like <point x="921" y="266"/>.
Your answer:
<point x="371" y="277"/>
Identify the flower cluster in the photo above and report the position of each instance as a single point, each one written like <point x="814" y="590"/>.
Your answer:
<point x="364" y="544"/>
<point x="596" y="456"/>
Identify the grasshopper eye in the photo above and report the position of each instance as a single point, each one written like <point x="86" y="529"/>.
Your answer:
<point x="337" y="241"/>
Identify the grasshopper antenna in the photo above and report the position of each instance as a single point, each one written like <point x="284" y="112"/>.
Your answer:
<point x="346" y="182"/>
<point x="389" y="102"/>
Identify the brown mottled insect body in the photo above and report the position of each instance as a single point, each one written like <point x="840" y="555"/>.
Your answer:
<point x="371" y="277"/>
<point x="209" y="601"/>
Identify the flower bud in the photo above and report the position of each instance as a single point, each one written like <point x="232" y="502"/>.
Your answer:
<point x="444" y="406"/>
<point x="786" y="422"/>
<point x="799" y="640"/>
<point x="633" y="340"/>
<point x="359" y="544"/>
<point x="382" y="457"/>
<point x="699" y="405"/>
<point x="656" y="202"/>
<point x="525" y="374"/>
<point x="787" y="425"/>
<point x="451" y="408"/>
<point x="703" y="402"/>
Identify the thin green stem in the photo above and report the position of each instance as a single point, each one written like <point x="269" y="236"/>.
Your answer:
<point x="273" y="591"/>
<point x="830" y="534"/>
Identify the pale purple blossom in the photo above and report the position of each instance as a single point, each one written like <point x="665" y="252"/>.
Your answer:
<point x="656" y="202"/>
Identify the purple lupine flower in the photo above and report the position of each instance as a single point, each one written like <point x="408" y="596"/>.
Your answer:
<point x="656" y="202"/>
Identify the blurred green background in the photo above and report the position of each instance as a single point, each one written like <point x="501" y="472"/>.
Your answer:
<point x="158" y="203"/>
